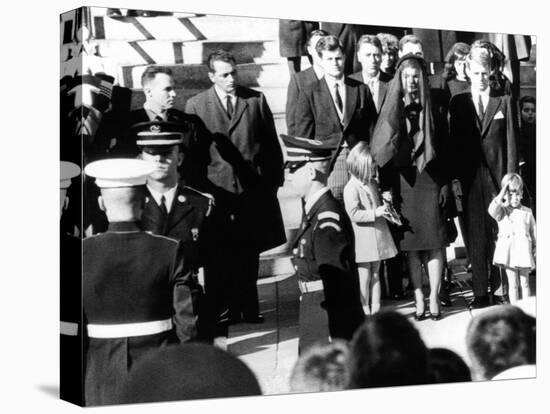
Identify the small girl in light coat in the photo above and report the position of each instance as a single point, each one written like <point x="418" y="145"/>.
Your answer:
<point x="373" y="240"/>
<point x="516" y="243"/>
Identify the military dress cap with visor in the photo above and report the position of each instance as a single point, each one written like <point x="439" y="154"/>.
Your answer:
<point x="300" y="151"/>
<point x="158" y="134"/>
<point x="67" y="171"/>
<point x="119" y="172"/>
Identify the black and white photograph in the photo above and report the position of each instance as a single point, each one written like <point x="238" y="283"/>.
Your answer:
<point x="268" y="209"/>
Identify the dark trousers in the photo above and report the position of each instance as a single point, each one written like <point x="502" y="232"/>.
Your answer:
<point x="213" y="307"/>
<point x="108" y="363"/>
<point x="481" y="230"/>
<point x="243" y="263"/>
<point x="313" y="322"/>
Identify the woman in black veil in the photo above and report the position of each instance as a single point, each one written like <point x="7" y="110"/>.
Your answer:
<point x="408" y="145"/>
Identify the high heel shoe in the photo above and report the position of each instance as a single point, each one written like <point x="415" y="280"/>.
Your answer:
<point x="420" y="316"/>
<point x="435" y="316"/>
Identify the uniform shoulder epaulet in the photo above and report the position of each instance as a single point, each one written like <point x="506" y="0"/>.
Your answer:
<point x="161" y="236"/>
<point x="209" y="197"/>
<point x="329" y="219"/>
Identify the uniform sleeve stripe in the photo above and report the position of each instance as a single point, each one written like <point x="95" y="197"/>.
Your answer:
<point x="330" y="224"/>
<point x="329" y="214"/>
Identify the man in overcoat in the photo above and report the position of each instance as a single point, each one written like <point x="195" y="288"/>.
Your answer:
<point x="246" y="170"/>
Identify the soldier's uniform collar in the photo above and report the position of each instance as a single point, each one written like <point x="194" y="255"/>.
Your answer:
<point x="310" y="202"/>
<point x="124" y="226"/>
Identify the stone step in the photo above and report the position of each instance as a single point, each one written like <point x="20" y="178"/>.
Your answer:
<point x="235" y="28"/>
<point x="263" y="75"/>
<point x="176" y="27"/>
<point x="159" y="52"/>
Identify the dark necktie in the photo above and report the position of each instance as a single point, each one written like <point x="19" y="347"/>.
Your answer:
<point x="229" y="106"/>
<point x="480" y="112"/>
<point x="338" y="98"/>
<point x="162" y="206"/>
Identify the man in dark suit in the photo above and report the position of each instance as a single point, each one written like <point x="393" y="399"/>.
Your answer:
<point x="483" y="129"/>
<point x="324" y="250"/>
<point x="335" y="106"/>
<point x="246" y="169"/>
<point x="159" y="88"/>
<point x="176" y="210"/>
<point x="369" y="54"/>
<point x="301" y="79"/>
<point x="135" y="286"/>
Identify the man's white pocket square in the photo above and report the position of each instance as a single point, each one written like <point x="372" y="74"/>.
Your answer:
<point x="499" y="115"/>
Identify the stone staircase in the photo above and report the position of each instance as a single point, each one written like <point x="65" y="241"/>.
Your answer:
<point x="183" y="41"/>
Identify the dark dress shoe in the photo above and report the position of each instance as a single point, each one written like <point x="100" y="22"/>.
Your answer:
<point x="501" y="300"/>
<point x="445" y="301"/>
<point x="254" y="319"/>
<point x="479" y="302"/>
<point x="444" y="298"/>
<point x="420" y="317"/>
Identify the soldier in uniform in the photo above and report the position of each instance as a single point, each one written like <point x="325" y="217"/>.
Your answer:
<point x="324" y="252"/>
<point x="135" y="285"/>
<point x="70" y="309"/>
<point x="176" y="210"/>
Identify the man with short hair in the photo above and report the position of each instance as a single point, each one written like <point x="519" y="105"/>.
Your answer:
<point x="246" y="168"/>
<point x="502" y="339"/>
<point x="410" y="44"/>
<point x="483" y="130"/>
<point x="324" y="248"/>
<point x="335" y="106"/>
<point x="159" y="89"/>
<point x="369" y="54"/>
<point x="301" y="79"/>
<point x="176" y="210"/>
<point x="347" y="35"/>
<point x="135" y="286"/>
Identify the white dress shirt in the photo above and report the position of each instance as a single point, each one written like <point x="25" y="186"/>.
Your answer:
<point x="168" y="196"/>
<point x="373" y="83"/>
<point x="152" y="114"/>
<point x="484" y="99"/>
<point x="223" y="97"/>
<point x="341" y="90"/>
